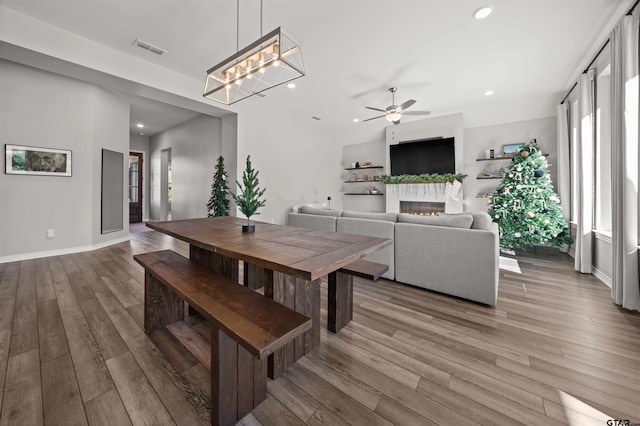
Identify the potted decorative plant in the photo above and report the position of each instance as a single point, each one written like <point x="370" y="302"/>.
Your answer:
<point x="249" y="194"/>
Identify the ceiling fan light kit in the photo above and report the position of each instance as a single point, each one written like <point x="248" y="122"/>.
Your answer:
<point x="393" y="113"/>
<point x="270" y="61"/>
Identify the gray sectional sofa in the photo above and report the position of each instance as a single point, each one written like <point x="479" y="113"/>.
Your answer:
<point x="452" y="254"/>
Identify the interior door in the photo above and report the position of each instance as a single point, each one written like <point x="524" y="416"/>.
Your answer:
<point x="135" y="187"/>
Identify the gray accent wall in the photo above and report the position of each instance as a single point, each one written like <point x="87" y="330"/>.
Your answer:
<point x="38" y="108"/>
<point x="195" y="146"/>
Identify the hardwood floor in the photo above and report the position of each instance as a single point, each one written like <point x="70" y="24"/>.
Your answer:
<point x="555" y="350"/>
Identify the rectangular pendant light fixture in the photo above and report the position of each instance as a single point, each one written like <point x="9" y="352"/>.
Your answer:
<point x="270" y="61"/>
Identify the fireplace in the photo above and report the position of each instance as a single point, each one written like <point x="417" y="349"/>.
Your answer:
<point x="422" y="208"/>
<point x="429" y="193"/>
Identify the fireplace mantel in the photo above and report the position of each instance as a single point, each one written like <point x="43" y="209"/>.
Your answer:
<point x="433" y="192"/>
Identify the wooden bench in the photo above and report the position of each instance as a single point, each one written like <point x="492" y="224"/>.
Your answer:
<point x="340" y="290"/>
<point x="246" y="327"/>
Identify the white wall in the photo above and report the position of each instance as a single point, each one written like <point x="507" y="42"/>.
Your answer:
<point x="373" y="152"/>
<point x="195" y="147"/>
<point x="139" y="143"/>
<point x="479" y="139"/>
<point x="298" y="158"/>
<point x="38" y="108"/>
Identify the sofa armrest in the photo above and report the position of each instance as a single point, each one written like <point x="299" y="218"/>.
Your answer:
<point x="460" y="262"/>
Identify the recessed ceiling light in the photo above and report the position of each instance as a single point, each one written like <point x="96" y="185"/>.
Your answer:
<point x="488" y="93"/>
<point x="355" y="120"/>
<point x="482" y="12"/>
<point x="141" y="134"/>
<point x="291" y="85"/>
<point x="140" y="125"/>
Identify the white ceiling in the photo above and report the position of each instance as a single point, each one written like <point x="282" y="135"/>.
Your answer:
<point x="155" y="116"/>
<point x="354" y="50"/>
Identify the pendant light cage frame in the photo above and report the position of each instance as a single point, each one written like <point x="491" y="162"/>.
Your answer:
<point x="272" y="60"/>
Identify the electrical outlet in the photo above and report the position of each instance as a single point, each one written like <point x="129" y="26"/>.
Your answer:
<point x="51" y="233"/>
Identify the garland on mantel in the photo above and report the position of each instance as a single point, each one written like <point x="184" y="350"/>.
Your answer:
<point x="424" y="178"/>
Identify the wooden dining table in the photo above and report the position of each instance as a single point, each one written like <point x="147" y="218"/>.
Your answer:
<point x="289" y="262"/>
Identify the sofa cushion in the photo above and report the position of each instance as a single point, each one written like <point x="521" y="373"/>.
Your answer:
<point x="453" y="221"/>
<point x="391" y="217"/>
<point x="481" y="220"/>
<point x="319" y="211"/>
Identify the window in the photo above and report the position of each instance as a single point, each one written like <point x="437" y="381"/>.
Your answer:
<point x="602" y="181"/>
<point x="573" y="148"/>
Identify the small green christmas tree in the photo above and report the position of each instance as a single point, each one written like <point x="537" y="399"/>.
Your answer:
<point x="248" y="199"/>
<point x="525" y="206"/>
<point x="218" y="204"/>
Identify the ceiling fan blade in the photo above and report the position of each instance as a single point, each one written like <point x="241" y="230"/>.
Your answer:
<point x="376" y="109"/>
<point x="416" y="112"/>
<point x="373" y="118"/>
<point x="407" y="104"/>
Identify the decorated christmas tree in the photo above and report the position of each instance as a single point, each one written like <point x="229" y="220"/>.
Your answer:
<point x="218" y="204"/>
<point x="525" y="206"/>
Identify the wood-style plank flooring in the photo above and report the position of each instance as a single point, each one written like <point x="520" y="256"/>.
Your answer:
<point x="555" y="350"/>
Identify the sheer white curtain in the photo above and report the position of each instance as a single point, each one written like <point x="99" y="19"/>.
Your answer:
<point x="584" y="172"/>
<point x="564" y="166"/>
<point x="624" y="158"/>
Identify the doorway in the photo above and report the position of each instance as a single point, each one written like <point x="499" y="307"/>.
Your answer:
<point x="166" y="184"/>
<point x="135" y="187"/>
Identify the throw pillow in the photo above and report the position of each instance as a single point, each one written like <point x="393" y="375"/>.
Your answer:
<point x="319" y="211"/>
<point x="453" y="221"/>
<point x="481" y="220"/>
<point x="391" y="217"/>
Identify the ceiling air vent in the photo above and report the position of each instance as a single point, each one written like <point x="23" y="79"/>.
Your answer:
<point x="148" y="46"/>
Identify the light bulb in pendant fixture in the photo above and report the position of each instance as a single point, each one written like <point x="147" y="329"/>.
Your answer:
<point x="238" y="79"/>
<point x="276" y="55"/>
<point x="249" y="75"/>
<point x="227" y="79"/>
<point x="261" y="63"/>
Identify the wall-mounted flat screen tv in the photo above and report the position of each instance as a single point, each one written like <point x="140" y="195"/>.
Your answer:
<point x="423" y="156"/>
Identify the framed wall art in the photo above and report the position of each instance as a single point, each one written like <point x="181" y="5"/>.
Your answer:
<point x="511" y="149"/>
<point x="29" y="160"/>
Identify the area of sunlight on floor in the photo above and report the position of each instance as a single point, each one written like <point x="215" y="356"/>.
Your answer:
<point x="509" y="264"/>
<point x="578" y="413"/>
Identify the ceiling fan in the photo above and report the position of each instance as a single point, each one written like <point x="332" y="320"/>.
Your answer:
<point x="394" y="112"/>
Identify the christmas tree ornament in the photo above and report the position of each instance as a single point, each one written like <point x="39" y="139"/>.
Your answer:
<point x="538" y="173"/>
<point x="530" y="214"/>
<point x="524" y="154"/>
<point x="517" y="235"/>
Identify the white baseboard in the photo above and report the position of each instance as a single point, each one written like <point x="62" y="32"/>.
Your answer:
<point x="61" y="252"/>
<point x="601" y="276"/>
